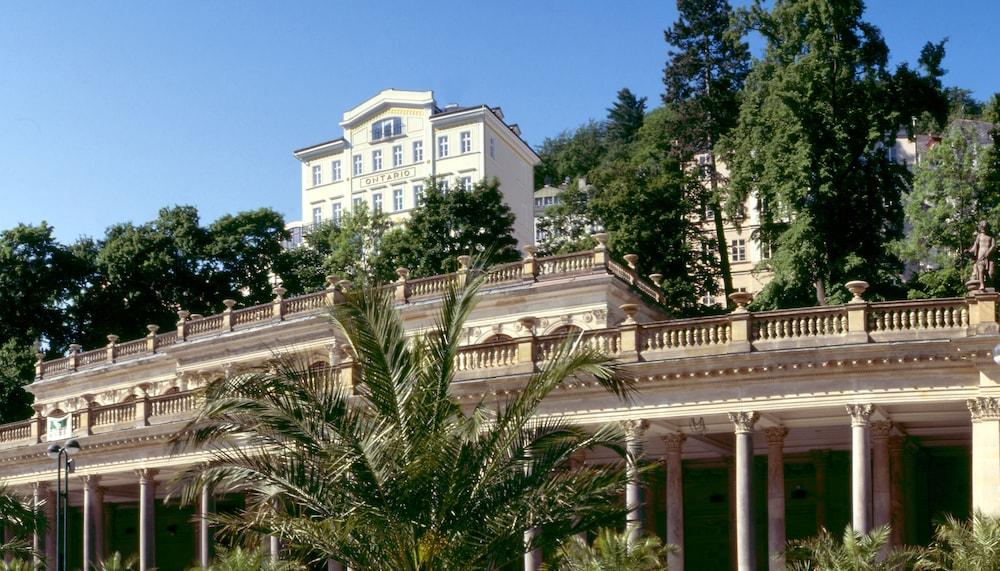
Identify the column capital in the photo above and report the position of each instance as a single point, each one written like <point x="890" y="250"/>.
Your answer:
<point x="776" y="434"/>
<point x="673" y="441"/>
<point x="743" y="421"/>
<point x="881" y="429"/>
<point x="90" y="481"/>
<point x="860" y="413"/>
<point x="984" y="408"/>
<point x="634" y="428"/>
<point x="147" y="475"/>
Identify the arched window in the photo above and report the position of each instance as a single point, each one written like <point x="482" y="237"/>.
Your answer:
<point x="566" y="330"/>
<point x="498" y="338"/>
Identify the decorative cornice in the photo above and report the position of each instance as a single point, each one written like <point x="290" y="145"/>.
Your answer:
<point x="776" y="435"/>
<point x="674" y="441"/>
<point x="881" y="429"/>
<point x="984" y="408"/>
<point x="743" y="421"/>
<point x="860" y="413"/>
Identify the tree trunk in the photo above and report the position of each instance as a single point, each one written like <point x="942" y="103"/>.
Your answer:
<point x="720" y="232"/>
<point x="820" y="291"/>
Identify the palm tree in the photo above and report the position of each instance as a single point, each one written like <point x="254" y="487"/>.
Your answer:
<point x="16" y="565"/>
<point x="856" y="551"/>
<point x="397" y="473"/>
<point x="17" y="515"/>
<point x="250" y="559"/>
<point x="116" y="563"/>
<point x="610" y="552"/>
<point x="964" y="546"/>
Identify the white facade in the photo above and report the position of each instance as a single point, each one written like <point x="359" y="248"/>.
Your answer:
<point x="394" y="142"/>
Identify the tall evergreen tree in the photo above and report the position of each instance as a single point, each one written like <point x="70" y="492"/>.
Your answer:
<point x="625" y="118"/>
<point x="705" y="71"/>
<point x="817" y="114"/>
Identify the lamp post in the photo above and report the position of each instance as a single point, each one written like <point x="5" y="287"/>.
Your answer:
<point x="64" y="465"/>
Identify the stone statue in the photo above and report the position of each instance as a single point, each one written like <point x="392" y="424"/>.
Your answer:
<point x="982" y="248"/>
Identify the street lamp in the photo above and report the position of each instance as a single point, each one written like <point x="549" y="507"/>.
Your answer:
<point x="64" y="465"/>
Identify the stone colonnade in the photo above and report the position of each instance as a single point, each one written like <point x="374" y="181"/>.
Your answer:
<point x="876" y="479"/>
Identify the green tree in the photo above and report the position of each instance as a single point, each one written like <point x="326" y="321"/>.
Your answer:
<point x="567" y="226"/>
<point x="610" y="552"/>
<point x="705" y="71"/>
<point x="395" y="473"/>
<point x="354" y="247"/>
<point x="17" y="369"/>
<point x="20" y="519"/>
<point x="247" y="559"/>
<point x="644" y="201"/>
<point x="625" y="118"/>
<point x="818" y="111"/>
<point x="241" y="250"/>
<point x="948" y="200"/>
<point x="964" y="546"/>
<point x="571" y="154"/>
<point x="854" y="552"/>
<point x="453" y="222"/>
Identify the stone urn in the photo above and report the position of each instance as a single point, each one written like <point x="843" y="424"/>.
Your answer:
<point x="857" y="287"/>
<point x="741" y="299"/>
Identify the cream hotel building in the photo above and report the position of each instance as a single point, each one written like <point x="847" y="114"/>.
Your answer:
<point x="393" y="143"/>
<point x="759" y="426"/>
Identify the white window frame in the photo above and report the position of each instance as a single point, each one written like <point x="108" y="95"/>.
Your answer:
<point x="376" y="202"/>
<point x="397" y="155"/>
<point x="418" y="195"/>
<point x="317" y="215"/>
<point x="442" y="146"/>
<point x="317" y="175"/>
<point x="335" y="213"/>
<point x="359" y="165"/>
<point x="738" y="250"/>
<point x="465" y="182"/>
<point x="443" y="186"/>
<point x="397" y="199"/>
<point x="465" y="142"/>
<point x="418" y="151"/>
<point x="358" y="201"/>
<point x="335" y="173"/>
<point x="376" y="160"/>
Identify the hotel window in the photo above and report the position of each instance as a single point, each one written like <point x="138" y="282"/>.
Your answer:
<point x="335" y="213"/>
<point x="443" y="186"/>
<point x="397" y="155"/>
<point x="443" y="146"/>
<point x="317" y="176"/>
<point x="418" y="195"/>
<point x="317" y="215"/>
<point x="377" y="202"/>
<point x="493" y="148"/>
<point x="358" y="203"/>
<point x="418" y="151"/>
<point x="465" y="183"/>
<point x="358" y="164"/>
<point x="538" y="202"/>
<point x="397" y="199"/>
<point x="387" y="128"/>
<point x="377" y="160"/>
<point x="335" y="171"/>
<point x="738" y="250"/>
<point x="465" y="141"/>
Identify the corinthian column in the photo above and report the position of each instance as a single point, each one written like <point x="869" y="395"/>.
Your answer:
<point x="881" y="493"/>
<point x="634" y="431"/>
<point x="743" y="423"/>
<point x="675" y="499"/>
<point x="91" y="513"/>
<point x="147" y="519"/>
<point x="985" y="413"/>
<point x="861" y="470"/>
<point x="776" y="496"/>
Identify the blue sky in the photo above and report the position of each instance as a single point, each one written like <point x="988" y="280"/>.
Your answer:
<point x="111" y="110"/>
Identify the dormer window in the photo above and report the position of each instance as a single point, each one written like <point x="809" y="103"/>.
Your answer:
<point x="387" y="128"/>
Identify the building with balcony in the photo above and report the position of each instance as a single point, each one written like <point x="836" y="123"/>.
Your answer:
<point x="396" y="141"/>
<point x="761" y="426"/>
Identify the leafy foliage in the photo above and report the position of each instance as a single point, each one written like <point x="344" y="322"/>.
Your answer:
<point x="248" y="559"/>
<point x="818" y="110"/>
<point x="400" y="476"/>
<point x="354" y="247"/>
<point x="854" y="552"/>
<point x="625" y="118"/>
<point x="17" y="516"/>
<point x="964" y="546"/>
<point x="17" y="368"/>
<point x="117" y="562"/>
<point x="453" y="222"/>
<point x="610" y="552"/>
<point x="948" y="200"/>
<point x="571" y="154"/>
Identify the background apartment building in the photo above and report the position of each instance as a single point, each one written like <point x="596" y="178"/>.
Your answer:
<point x="397" y="140"/>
